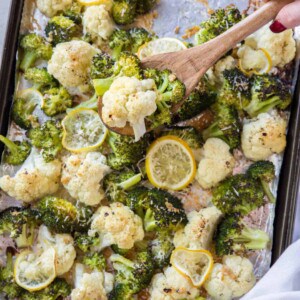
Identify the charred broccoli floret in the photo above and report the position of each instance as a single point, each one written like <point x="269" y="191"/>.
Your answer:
<point x="59" y="288"/>
<point x="119" y="41"/>
<point x="234" y="236"/>
<point x="124" y="11"/>
<point x="264" y="171"/>
<point x="226" y="126"/>
<point x="15" y="152"/>
<point x="116" y="184"/>
<point x="220" y="21"/>
<point x="60" y="29"/>
<point x="56" y="101"/>
<point x="62" y="216"/>
<point x="19" y="223"/>
<point x="102" y="66"/>
<point x="137" y="200"/>
<point x="144" y="6"/>
<point x="95" y="261"/>
<point x="238" y="194"/>
<point x="236" y="89"/>
<point x="34" y="47"/>
<point x="22" y="112"/>
<point x="268" y="92"/>
<point x="74" y="13"/>
<point x="87" y="243"/>
<point x="40" y="78"/>
<point x="139" y="36"/>
<point x="126" y="152"/>
<point x="48" y="138"/>
<point x="132" y="276"/>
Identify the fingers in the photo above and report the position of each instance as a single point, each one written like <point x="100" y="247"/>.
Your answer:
<point x="288" y="17"/>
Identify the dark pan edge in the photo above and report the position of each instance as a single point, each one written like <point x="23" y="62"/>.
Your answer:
<point x="289" y="182"/>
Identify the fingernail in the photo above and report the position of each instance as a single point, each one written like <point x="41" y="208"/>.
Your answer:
<point x="277" y="27"/>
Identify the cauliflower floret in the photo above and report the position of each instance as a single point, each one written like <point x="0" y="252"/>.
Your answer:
<point x="198" y="233"/>
<point x="171" y="285"/>
<point x="129" y="100"/>
<point x="98" y="23"/>
<point x="70" y="64"/>
<point x="63" y="245"/>
<point x="231" y="279"/>
<point x="280" y="46"/>
<point x="117" y="224"/>
<point x="91" y="286"/>
<point x="77" y="179"/>
<point x="50" y="8"/>
<point x="264" y="136"/>
<point x="34" y="180"/>
<point x="216" y="163"/>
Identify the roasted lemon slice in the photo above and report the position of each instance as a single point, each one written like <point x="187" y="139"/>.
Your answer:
<point x="195" y="265"/>
<point x="107" y="3"/>
<point x="31" y="95"/>
<point x="35" y="272"/>
<point x="159" y="46"/>
<point x="83" y="130"/>
<point x="170" y="163"/>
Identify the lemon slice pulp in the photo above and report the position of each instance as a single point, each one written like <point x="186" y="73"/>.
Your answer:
<point x="195" y="265"/>
<point x="83" y="130"/>
<point x="159" y="46"/>
<point x="170" y="163"/>
<point x="35" y="272"/>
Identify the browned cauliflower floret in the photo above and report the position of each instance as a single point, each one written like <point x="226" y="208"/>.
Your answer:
<point x="118" y="225"/>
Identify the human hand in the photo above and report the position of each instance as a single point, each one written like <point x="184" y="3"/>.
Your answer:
<point x="288" y="17"/>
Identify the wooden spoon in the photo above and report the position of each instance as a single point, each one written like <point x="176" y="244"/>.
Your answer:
<point x="191" y="64"/>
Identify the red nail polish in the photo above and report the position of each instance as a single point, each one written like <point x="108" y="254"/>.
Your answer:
<point x="277" y="27"/>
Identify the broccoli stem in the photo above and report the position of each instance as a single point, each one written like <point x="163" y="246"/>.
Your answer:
<point x="13" y="148"/>
<point x="117" y="258"/>
<point x="28" y="60"/>
<point x="267" y="191"/>
<point x="102" y="85"/>
<point x="149" y="221"/>
<point x="258" y="106"/>
<point x="127" y="184"/>
<point x="27" y="236"/>
<point x="91" y="104"/>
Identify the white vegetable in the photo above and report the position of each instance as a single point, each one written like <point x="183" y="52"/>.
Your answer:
<point x="233" y="278"/>
<point x="34" y="180"/>
<point x="129" y="100"/>
<point x="216" y="163"/>
<point x="82" y="174"/>
<point x="51" y="7"/>
<point x="199" y="231"/>
<point x="264" y="136"/>
<point x="118" y="225"/>
<point x="98" y="23"/>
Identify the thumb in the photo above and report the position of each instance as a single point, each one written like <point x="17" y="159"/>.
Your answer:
<point x="288" y="17"/>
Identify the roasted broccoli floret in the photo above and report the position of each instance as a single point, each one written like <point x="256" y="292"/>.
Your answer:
<point x="137" y="200"/>
<point x="116" y="184"/>
<point x="226" y="126"/>
<point x="15" y="152"/>
<point x="161" y="249"/>
<point x="19" y="223"/>
<point x="264" y="171"/>
<point x="87" y="243"/>
<point x="234" y="236"/>
<point x="127" y="65"/>
<point x="95" y="261"/>
<point x="102" y="66"/>
<point x="139" y="36"/>
<point x="40" y="78"/>
<point x="124" y="11"/>
<point x="62" y="216"/>
<point x="189" y="134"/>
<point x="236" y="89"/>
<point x="60" y="29"/>
<point x="238" y="194"/>
<point x="22" y="112"/>
<point x="126" y="152"/>
<point x="56" y="101"/>
<point x="220" y="21"/>
<point x="144" y="6"/>
<point x="268" y="92"/>
<point x="74" y="13"/>
<point x="119" y="41"/>
<point x="8" y="286"/>
<point x="58" y="289"/>
<point x="132" y="276"/>
<point x="35" y="47"/>
<point x="48" y="138"/>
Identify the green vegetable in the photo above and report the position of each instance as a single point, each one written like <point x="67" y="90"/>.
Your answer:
<point x="119" y="41"/>
<point x="124" y="11"/>
<point x="144" y="6"/>
<point x="139" y="36"/>
<point x="87" y="243"/>
<point x="74" y="13"/>
<point x="102" y="66"/>
<point x="95" y="261"/>
<point x="16" y="152"/>
<point x="41" y="78"/>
